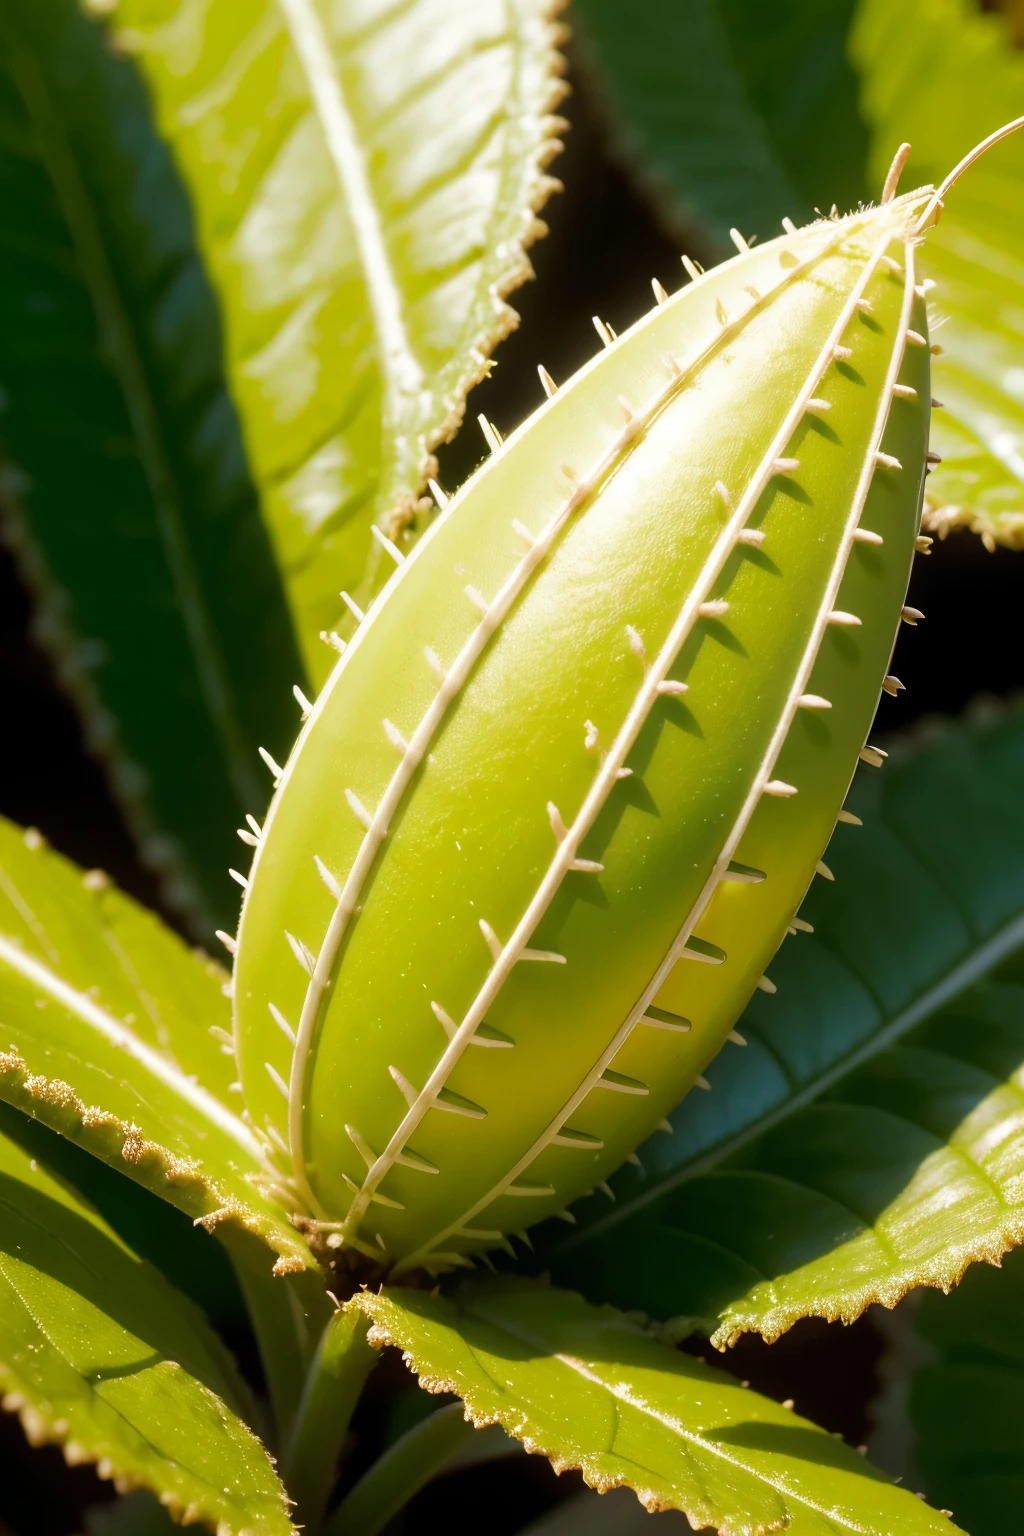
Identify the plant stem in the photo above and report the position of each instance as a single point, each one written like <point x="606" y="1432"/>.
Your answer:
<point x="340" y="1366"/>
<point x="288" y="1314"/>
<point x="405" y="1468"/>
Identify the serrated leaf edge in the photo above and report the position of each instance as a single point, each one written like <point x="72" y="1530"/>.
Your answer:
<point x="66" y="652"/>
<point x="998" y="947"/>
<point x="945" y="1275"/>
<point x="40" y="1428"/>
<point x="537" y="188"/>
<point x="55" y="1104"/>
<point x="381" y="1335"/>
<point x="943" y="518"/>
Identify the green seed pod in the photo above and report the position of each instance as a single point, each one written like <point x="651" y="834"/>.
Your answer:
<point x="562" y="796"/>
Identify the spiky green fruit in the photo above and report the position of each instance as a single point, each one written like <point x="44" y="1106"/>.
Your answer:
<point x="561" y="798"/>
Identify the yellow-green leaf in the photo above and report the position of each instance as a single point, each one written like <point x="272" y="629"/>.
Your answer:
<point x="730" y="112"/>
<point x="587" y="1388"/>
<point x="365" y="178"/>
<point x="100" y="1355"/>
<point x="943" y="76"/>
<point x="111" y="1032"/>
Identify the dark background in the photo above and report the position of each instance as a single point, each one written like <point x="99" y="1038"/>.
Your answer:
<point x="600" y="256"/>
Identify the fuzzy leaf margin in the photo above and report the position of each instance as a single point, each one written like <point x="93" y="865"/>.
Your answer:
<point x="587" y="1388"/>
<point x="366" y="180"/>
<point x="728" y="112"/>
<point x="105" y="1037"/>
<point x="100" y="1355"/>
<point x="950" y="1098"/>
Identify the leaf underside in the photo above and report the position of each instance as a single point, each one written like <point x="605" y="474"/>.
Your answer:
<point x="100" y="1355"/>
<point x="870" y="1137"/>
<point x="589" y="1390"/>
<point x="361" y="233"/>
<point x="125" y="494"/>
<point x="105" y="1036"/>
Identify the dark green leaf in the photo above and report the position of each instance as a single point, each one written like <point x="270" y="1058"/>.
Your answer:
<point x="871" y="1135"/>
<point x="587" y="1388"/>
<point x="967" y="1403"/>
<point x="101" y="1356"/>
<point x="731" y="112"/>
<point x="128" y="499"/>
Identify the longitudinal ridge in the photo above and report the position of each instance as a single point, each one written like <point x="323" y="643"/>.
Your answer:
<point x="402" y="371"/>
<point x="655" y="682"/>
<point x="796" y="695"/>
<point x="451" y="681"/>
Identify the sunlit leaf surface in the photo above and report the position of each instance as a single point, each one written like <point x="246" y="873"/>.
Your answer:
<point x="939" y="74"/>
<point x="111" y="1032"/>
<point x="733" y="113"/>
<point x="99" y="1354"/>
<point x="586" y="1387"/>
<point x="365" y="177"/>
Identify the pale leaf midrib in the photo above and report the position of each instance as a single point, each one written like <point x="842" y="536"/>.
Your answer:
<point x="92" y="1394"/>
<point x="90" y="1014"/>
<point x="400" y="368"/>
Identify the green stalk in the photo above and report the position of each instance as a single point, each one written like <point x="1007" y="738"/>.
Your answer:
<point x="405" y="1468"/>
<point x="289" y="1314"/>
<point x="342" y="1362"/>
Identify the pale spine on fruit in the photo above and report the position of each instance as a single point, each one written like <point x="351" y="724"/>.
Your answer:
<point x="718" y="581"/>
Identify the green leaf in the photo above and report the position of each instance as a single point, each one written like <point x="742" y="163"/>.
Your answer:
<point x="105" y="1036"/>
<point x="731" y="112"/>
<point x="587" y="1388"/>
<point x="335" y="1381"/>
<point x="871" y="1135"/>
<point x="364" y="179"/>
<point x="99" y="1354"/>
<point x="973" y="1461"/>
<point x="127" y="496"/>
<point x="941" y="75"/>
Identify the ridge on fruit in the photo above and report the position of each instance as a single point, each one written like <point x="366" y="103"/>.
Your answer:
<point x="564" y="792"/>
